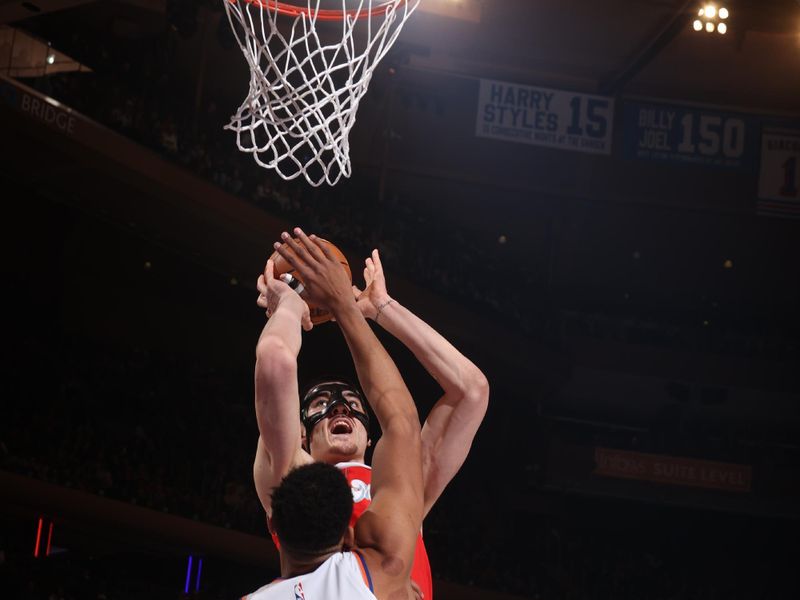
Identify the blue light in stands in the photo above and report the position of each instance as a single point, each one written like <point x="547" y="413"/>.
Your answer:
<point x="199" y="571"/>
<point x="188" y="575"/>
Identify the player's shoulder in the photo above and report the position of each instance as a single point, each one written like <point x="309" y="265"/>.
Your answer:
<point x="342" y="571"/>
<point x="382" y="569"/>
<point x="265" y="590"/>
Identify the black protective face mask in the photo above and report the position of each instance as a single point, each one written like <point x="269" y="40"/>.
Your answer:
<point x="336" y="390"/>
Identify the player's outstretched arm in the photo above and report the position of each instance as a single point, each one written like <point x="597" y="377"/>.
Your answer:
<point x="276" y="393"/>
<point x="454" y="420"/>
<point x="387" y="531"/>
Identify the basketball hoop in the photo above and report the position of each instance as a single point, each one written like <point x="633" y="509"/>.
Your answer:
<point x="304" y="92"/>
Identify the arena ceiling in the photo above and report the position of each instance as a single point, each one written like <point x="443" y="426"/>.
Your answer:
<point x="634" y="47"/>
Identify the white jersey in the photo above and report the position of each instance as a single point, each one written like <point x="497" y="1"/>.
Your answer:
<point x="344" y="576"/>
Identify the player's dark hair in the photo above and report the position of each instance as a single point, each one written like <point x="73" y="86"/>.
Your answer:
<point x="311" y="508"/>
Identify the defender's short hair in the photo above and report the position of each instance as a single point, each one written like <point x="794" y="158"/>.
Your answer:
<point x="311" y="508"/>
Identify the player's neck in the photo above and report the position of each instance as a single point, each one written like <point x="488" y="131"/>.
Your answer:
<point x="334" y="458"/>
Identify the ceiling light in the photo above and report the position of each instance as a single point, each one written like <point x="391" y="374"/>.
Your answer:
<point x="51" y="58"/>
<point x="711" y="19"/>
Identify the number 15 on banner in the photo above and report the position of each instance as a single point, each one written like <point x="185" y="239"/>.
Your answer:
<point x="780" y="166"/>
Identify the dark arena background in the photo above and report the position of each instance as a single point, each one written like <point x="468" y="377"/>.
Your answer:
<point x="595" y="201"/>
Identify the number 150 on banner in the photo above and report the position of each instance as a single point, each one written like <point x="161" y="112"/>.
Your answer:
<point x="544" y="117"/>
<point x="695" y="135"/>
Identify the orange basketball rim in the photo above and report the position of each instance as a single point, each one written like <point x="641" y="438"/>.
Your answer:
<point x="294" y="10"/>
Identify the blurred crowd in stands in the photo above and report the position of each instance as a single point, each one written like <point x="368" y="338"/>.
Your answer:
<point x="176" y="436"/>
<point x="133" y="91"/>
<point x="75" y="574"/>
<point x="545" y="557"/>
<point x="155" y="432"/>
<point x="558" y="557"/>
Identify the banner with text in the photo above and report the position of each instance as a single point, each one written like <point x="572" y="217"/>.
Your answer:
<point x="544" y="117"/>
<point x="672" y="470"/>
<point x="38" y="107"/>
<point x="689" y="134"/>
<point x="779" y="180"/>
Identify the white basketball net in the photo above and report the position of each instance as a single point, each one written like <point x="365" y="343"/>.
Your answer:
<point x="304" y="93"/>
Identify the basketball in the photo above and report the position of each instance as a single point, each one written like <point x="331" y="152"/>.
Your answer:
<point x="318" y="314"/>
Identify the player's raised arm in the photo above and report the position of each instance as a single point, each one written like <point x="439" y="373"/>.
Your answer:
<point x="454" y="420"/>
<point x="276" y="393"/>
<point x="387" y="531"/>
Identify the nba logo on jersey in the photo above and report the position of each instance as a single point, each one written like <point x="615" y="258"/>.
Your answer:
<point x="298" y="591"/>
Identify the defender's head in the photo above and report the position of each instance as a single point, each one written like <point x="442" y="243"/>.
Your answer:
<point x="311" y="510"/>
<point x="336" y="423"/>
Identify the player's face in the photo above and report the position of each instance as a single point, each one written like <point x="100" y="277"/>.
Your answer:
<point x="338" y="437"/>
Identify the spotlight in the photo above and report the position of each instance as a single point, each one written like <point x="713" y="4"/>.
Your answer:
<point x="51" y="58"/>
<point x="710" y="19"/>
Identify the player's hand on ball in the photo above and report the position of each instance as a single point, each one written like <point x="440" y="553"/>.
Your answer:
<point x="326" y="283"/>
<point x="272" y="293"/>
<point x="375" y="293"/>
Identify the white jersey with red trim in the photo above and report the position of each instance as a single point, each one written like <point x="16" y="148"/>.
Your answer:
<point x="344" y="576"/>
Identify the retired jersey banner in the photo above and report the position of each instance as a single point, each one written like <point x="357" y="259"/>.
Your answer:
<point x="779" y="180"/>
<point x="673" y="470"/>
<point x="544" y="117"/>
<point x="689" y="134"/>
